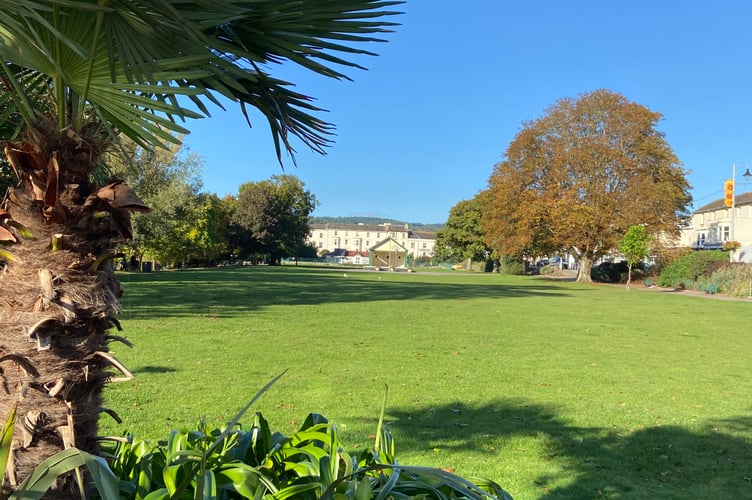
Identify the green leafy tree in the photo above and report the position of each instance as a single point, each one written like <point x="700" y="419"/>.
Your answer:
<point x="76" y="75"/>
<point x="580" y="175"/>
<point x="163" y="233"/>
<point x="462" y="237"/>
<point x="253" y="221"/>
<point x="275" y="213"/>
<point x="169" y="182"/>
<point x="208" y="234"/>
<point x="635" y="246"/>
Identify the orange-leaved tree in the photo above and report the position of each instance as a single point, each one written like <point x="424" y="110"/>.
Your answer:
<point x="577" y="177"/>
<point x="78" y="74"/>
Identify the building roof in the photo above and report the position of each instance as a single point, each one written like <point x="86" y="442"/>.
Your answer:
<point x="392" y="247"/>
<point x="360" y="227"/>
<point x="377" y="228"/>
<point x="739" y="200"/>
<point x="423" y="235"/>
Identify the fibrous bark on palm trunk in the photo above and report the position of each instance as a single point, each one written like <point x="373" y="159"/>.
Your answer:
<point x="58" y="298"/>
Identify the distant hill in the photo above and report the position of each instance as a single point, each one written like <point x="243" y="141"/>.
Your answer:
<point x="418" y="226"/>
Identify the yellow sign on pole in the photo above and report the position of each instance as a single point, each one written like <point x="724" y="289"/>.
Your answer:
<point x="728" y="193"/>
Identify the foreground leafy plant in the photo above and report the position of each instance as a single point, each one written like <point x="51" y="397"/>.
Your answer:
<point x="46" y="475"/>
<point x="243" y="461"/>
<point x="6" y="441"/>
<point x="252" y="462"/>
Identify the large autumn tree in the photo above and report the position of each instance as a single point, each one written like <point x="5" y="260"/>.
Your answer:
<point x="577" y="177"/>
<point x="75" y="76"/>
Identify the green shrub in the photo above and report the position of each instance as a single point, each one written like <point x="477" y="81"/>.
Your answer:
<point x="546" y="270"/>
<point x="639" y="272"/>
<point x="617" y="272"/>
<point x="609" y="272"/>
<point x="510" y="265"/>
<point x="732" y="278"/>
<point x="665" y="256"/>
<point x="685" y="272"/>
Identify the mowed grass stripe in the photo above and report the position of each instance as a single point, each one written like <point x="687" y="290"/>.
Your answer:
<point x="552" y="388"/>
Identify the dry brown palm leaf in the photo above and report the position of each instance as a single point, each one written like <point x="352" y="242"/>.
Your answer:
<point x="120" y="195"/>
<point x="6" y="235"/>
<point x="119" y="200"/>
<point x="53" y="210"/>
<point x="29" y="167"/>
<point x="121" y="219"/>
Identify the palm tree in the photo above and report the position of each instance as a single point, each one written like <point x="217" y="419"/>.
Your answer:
<point x="78" y="74"/>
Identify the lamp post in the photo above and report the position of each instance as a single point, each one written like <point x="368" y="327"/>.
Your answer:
<point x="733" y="202"/>
<point x="747" y="177"/>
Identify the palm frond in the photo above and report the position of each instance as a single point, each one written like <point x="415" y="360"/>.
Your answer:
<point x="156" y="62"/>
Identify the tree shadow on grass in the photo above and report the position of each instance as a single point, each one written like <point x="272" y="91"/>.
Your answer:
<point x="228" y="292"/>
<point x="656" y="462"/>
<point x="154" y="369"/>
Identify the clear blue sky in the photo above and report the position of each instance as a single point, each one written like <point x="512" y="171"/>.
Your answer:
<point x="423" y="128"/>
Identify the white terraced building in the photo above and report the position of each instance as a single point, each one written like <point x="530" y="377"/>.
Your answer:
<point x="363" y="237"/>
<point x="714" y="224"/>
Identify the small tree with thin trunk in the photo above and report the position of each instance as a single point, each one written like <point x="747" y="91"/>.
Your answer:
<point x="635" y="246"/>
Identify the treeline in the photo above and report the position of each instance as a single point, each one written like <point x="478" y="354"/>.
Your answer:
<point x="264" y="222"/>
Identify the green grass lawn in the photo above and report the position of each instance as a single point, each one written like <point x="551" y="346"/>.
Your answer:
<point x="551" y="388"/>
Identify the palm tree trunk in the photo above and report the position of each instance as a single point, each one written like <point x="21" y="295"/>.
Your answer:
<point x="58" y="297"/>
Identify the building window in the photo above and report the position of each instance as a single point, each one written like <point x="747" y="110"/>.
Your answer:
<point x="335" y="233"/>
<point x="321" y="235"/>
<point x="726" y="233"/>
<point x="701" y="240"/>
<point x="412" y="245"/>
<point x="425" y="245"/>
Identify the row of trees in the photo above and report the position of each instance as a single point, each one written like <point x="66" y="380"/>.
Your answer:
<point x="265" y="220"/>
<point x="574" y="180"/>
